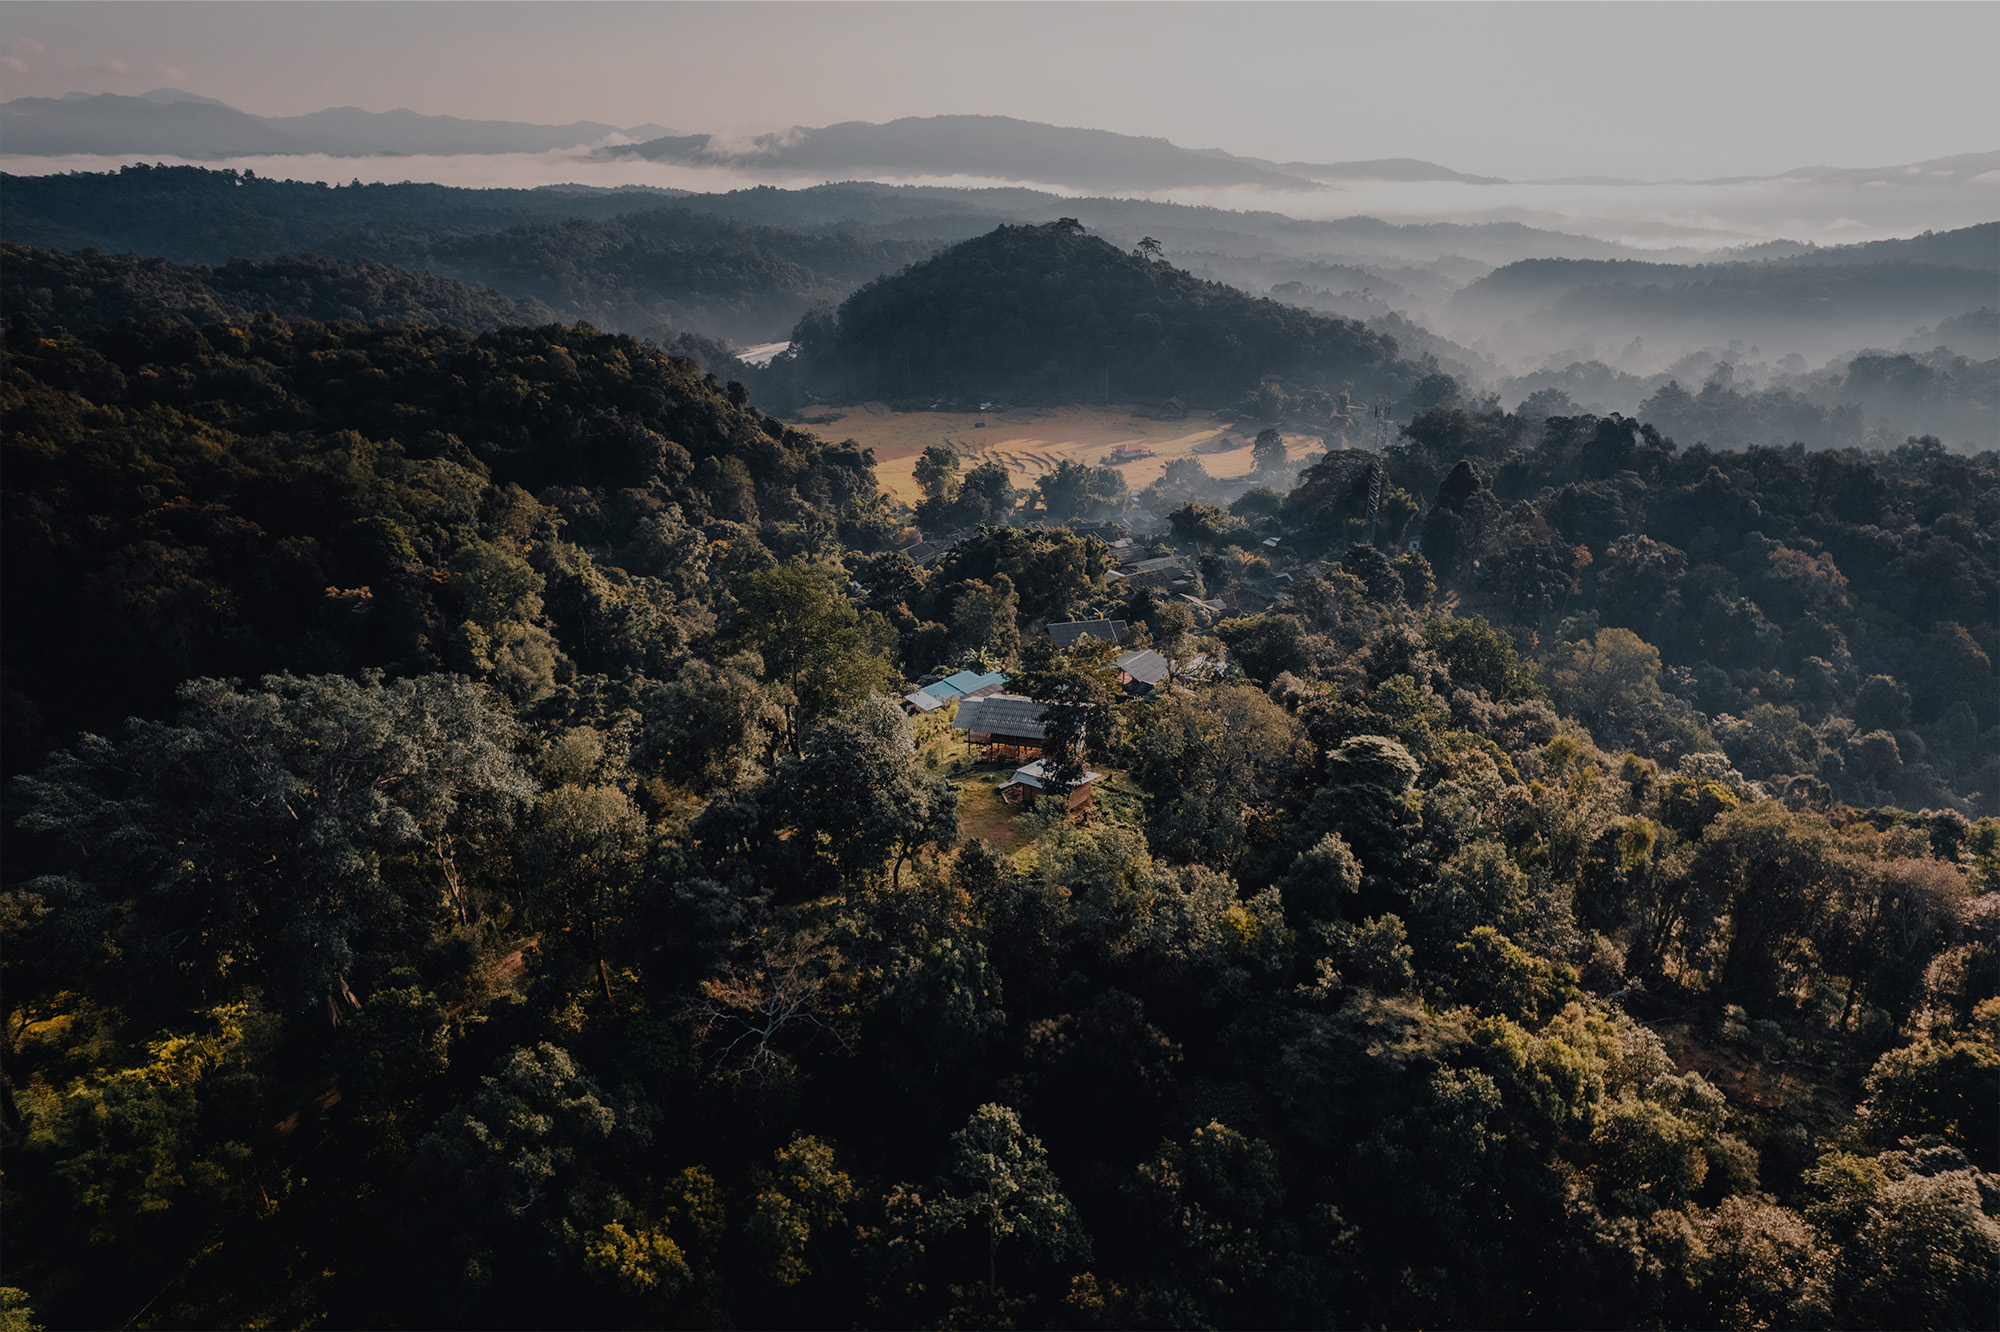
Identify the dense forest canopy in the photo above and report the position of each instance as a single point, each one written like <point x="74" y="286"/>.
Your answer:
<point x="196" y="215"/>
<point x="93" y="290"/>
<point x="467" y="865"/>
<point x="613" y="258"/>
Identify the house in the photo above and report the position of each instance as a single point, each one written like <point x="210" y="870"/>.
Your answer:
<point x="1265" y="590"/>
<point x="1034" y="780"/>
<point x="965" y="684"/>
<point x="1158" y="571"/>
<point x="1128" y="452"/>
<point x="1157" y="578"/>
<point x="1272" y="543"/>
<point x="1142" y="671"/>
<point x="1069" y="635"/>
<point x="1002" y="726"/>
<point x="927" y="553"/>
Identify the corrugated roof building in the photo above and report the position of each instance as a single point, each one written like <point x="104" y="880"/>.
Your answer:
<point x="1069" y="635"/>
<point x="965" y="684"/>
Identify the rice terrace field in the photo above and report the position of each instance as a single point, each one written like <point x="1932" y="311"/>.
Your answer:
<point x="1031" y="441"/>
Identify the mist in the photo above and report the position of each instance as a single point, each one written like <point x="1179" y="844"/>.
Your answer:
<point x="1679" y="218"/>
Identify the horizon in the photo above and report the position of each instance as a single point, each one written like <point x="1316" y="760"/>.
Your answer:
<point x="1786" y="87"/>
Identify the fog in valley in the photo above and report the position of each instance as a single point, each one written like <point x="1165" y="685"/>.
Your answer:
<point x="1744" y="283"/>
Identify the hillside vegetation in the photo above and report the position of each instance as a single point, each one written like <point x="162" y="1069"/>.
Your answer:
<point x="1051" y="312"/>
<point x="93" y="290"/>
<point x="467" y="865"/>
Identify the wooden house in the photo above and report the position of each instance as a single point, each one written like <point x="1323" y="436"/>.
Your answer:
<point x="1033" y="780"/>
<point x="1002" y="726"/>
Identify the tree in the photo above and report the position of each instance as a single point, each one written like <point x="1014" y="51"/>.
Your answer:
<point x="854" y="795"/>
<point x="296" y="827"/>
<point x="1076" y="490"/>
<point x="987" y="495"/>
<point x="1009" y="1191"/>
<point x="935" y="470"/>
<point x="1077" y="711"/>
<point x="1147" y="249"/>
<point x="1219" y="762"/>
<point x="1267" y="452"/>
<point x="801" y="1191"/>
<point x="712" y="726"/>
<point x="1197" y="525"/>
<point x="985" y="618"/>
<point x="811" y="638"/>
<point x="582" y="850"/>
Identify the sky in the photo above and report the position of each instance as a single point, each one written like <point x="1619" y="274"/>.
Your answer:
<point x="1656" y="91"/>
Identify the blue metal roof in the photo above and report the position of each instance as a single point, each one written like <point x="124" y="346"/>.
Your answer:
<point x="961" y="684"/>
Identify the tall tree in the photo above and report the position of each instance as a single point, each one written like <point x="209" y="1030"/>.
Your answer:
<point x="1009" y="1192"/>
<point x="812" y="639"/>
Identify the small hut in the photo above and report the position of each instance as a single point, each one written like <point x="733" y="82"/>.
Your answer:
<point x="1033" y="780"/>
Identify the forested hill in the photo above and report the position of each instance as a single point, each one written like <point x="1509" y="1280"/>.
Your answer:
<point x="274" y="496"/>
<point x="194" y="215"/>
<point x="94" y="290"/>
<point x="1923" y="278"/>
<point x="655" y="271"/>
<point x="616" y="259"/>
<point x="1048" y="311"/>
<point x="516" y="898"/>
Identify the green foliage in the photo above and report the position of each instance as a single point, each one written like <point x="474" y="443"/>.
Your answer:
<point x="1009" y="1192"/>
<point x="569" y="926"/>
<point x="811" y="639"/>
<point x="1490" y="972"/>
<point x="1945" y="1088"/>
<point x="1043" y="311"/>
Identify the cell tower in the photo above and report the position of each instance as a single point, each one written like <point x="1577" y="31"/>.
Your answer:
<point x="1374" y="498"/>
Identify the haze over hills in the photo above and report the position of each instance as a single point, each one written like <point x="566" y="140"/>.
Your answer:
<point x="184" y="124"/>
<point x="1003" y="148"/>
<point x="1503" y="307"/>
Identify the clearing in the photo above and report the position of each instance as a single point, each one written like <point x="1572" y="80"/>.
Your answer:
<point x="1030" y="441"/>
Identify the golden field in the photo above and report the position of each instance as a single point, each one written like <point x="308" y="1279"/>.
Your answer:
<point x="1031" y="441"/>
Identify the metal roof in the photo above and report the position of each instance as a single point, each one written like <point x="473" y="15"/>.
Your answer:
<point x="1144" y="665"/>
<point x="1036" y="774"/>
<point x="1001" y="714"/>
<point x="961" y="684"/>
<point x="1067" y="635"/>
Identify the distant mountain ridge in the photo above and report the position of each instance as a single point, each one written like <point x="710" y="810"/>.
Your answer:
<point x="169" y="120"/>
<point x="1005" y="148"/>
<point x="1868" y="294"/>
